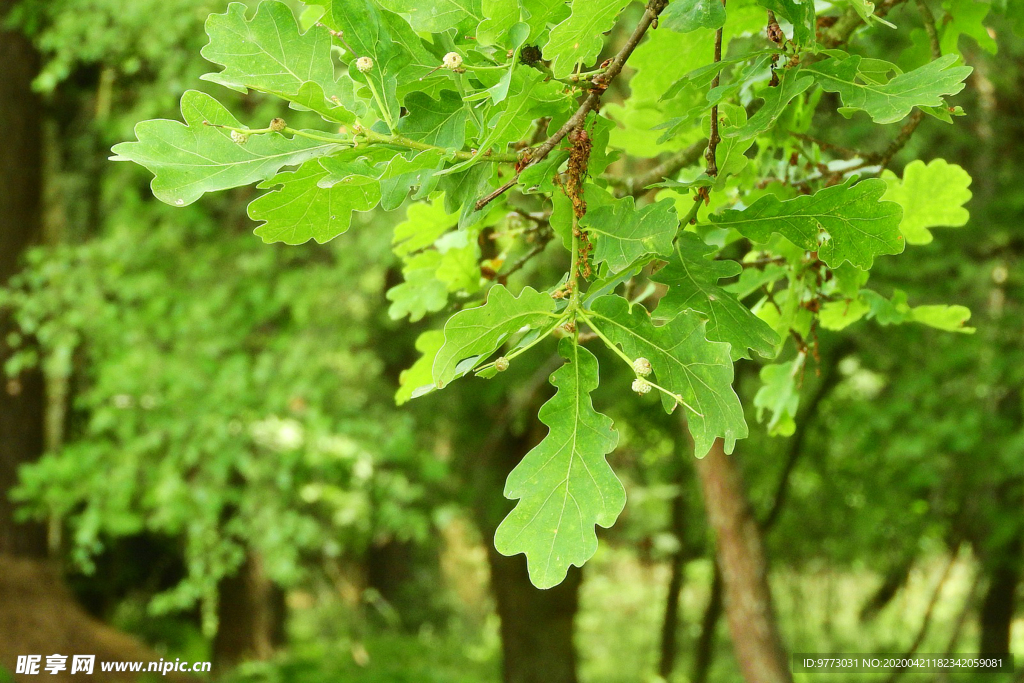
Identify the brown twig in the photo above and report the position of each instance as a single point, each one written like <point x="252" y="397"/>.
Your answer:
<point x="848" y="22"/>
<point x="907" y="131"/>
<point x="678" y="160"/>
<point x="592" y="100"/>
<point x="714" y="138"/>
<point x="538" y="248"/>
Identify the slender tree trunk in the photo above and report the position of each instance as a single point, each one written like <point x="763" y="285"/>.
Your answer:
<point x="670" y="623"/>
<point x="705" y="650"/>
<point x="22" y="401"/>
<point x="537" y="626"/>
<point x="999" y="604"/>
<point x="741" y="558"/>
<point x="250" y="614"/>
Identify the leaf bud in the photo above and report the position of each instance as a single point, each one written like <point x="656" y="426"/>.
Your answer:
<point x="239" y="138"/>
<point x="364" y="64"/>
<point x="452" y="61"/>
<point x="501" y="365"/>
<point x="642" y="367"/>
<point x="278" y="125"/>
<point x="641" y="386"/>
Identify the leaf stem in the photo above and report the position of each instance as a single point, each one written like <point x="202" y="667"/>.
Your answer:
<point x="628" y="361"/>
<point x="523" y="349"/>
<point x="385" y="112"/>
<point x="373" y="137"/>
<point x="290" y="131"/>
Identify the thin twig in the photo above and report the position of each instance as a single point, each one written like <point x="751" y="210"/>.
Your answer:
<point x="592" y="100"/>
<point x="898" y="672"/>
<point x="907" y="131"/>
<point x="669" y="167"/>
<point x="538" y="248"/>
<point x="714" y="138"/>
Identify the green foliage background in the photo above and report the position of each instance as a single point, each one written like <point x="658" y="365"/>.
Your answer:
<point x="233" y="397"/>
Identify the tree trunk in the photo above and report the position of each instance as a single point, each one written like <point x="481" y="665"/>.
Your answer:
<point x="741" y="558"/>
<point x="22" y="402"/>
<point x="250" y="614"/>
<point x="536" y="625"/>
<point x="998" y="605"/>
<point x="670" y="623"/>
<point x="705" y="649"/>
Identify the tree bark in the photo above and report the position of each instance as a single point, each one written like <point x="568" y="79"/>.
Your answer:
<point x="741" y="559"/>
<point x="537" y="626"/>
<point x="250" y="614"/>
<point x="670" y="623"/>
<point x="705" y="649"/>
<point x="999" y="604"/>
<point x="22" y="400"/>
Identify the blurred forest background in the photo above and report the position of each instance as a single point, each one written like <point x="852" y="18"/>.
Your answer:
<point x="201" y="456"/>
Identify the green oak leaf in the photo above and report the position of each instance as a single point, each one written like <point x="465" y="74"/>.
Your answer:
<point x="440" y="122"/>
<point x="302" y="210"/>
<point x="423" y="224"/>
<point x="892" y="101"/>
<point x="538" y="14"/>
<point x="417" y="380"/>
<point x="421" y="292"/>
<point x="475" y="333"/>
<point x="842" y="223"/>
<point x="269" y="54"/>
<point x="528" y="98"/>
<point x="799" y="14"/>
<point x="684" y="362"/>
<point x="374" y="33"/>
<point x="790" y="85"/>
<point x="896" y="311"/>
<point x="579" y="38"/>
<point x="624" y="233"/>
<point x="779" y="396"/>
<point x="931" y="196"/>
<point x="188" y="160"/>
<point x="501" y="15"/>
<point x="564" y="485"/>
<point x="402" y="173"/>
<point x="689" y="15"/>
<point x="838" y="315"/>
<point x="692" y="280"/>
<point x="435" y="16"/>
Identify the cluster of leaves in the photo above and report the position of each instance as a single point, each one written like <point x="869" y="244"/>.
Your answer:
<point x="434" y="106"/>
<point x="245" y="420"/>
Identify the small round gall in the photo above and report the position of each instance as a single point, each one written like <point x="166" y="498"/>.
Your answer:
<point x="364" y="64"/>
<point x="452" y="61"/>
<point x="642" y="367"/>
<point x="239" y="138"/>
<point x="641" y="386"/>
<point x="501" y="365"/>
<point x="278" y="125"/>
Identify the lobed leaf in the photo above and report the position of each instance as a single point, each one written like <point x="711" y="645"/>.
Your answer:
<point x="579" y="38"/>
<point x="624" y="234"/>
<point x="892" y="101"/>
<point x="564" y="485"/>
<point x="188" y="160"/>
<point x="684" y="362"/>
<point x="931" y="196"/>
<point x="842" y="223"/>
<point x="268" y="53"/>
<point x="301" y="210"/>
<point x="692" y="279"/>
<point x="475" y="333"/>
